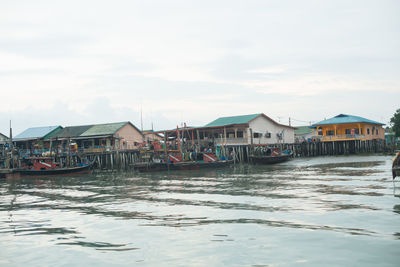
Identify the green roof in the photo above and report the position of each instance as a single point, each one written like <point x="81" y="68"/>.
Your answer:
<point x="232" y="120"/>
<point x="52" y="133"/>
<point x="72" y="131"/>
<point x="343" y="118"/>
<point x="300" y="130"/>
<point x="104" y="129"/>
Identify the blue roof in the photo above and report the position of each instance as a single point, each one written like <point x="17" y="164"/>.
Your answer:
<point x="344" y="118"/>
<point x="36" y="132"/>
<point x="232" y="120"/>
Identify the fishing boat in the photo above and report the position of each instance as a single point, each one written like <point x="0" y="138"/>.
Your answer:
<point x="396" y="165"/>
<point x="175" y="162"/>
<point x="44" y="166"/>
<point x="271" y="158"/>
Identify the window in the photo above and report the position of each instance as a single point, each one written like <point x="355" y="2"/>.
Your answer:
<point x="256" y="135"/>
<point x="268" y="135"/>
<point x="319" y="131"/>
<point x="239" y="134"/>
<point x="376" y="131"/>
<point x="367" y="130"/>
<point x="330" y="132"/>
<point x="87" y="144"/>
<point x="230" y="134"/>
<point x="348" y="131"/>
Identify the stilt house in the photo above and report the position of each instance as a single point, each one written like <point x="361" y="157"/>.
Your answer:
<point x="35" y="140"/>
<point x="348" y="127"/>
<point x="99" y="137"/>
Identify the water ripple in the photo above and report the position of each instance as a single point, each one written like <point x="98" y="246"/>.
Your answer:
<point x="255" y="210"/>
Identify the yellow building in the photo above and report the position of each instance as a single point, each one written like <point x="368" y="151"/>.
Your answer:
<point x="348" y="127"/>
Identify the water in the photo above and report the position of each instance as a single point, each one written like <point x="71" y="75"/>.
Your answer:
<point x="328" y="211"/>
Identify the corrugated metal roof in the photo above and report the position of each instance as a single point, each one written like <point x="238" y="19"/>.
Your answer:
<point x="36" y="132"/>
<point x="232" y="120"/>
<point x="72" y="131"/>
<point x="300" y="130"/>
<point x="187" y="128"/>
<point x="3" y="137"/>
<point x="50" y="135"/>
<point x="344" y="118"/>
<point x="104" y="129"/>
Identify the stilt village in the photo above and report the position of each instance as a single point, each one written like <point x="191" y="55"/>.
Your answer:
<point x="234" y="139"/>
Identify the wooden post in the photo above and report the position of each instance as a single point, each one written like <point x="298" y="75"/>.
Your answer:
<point x="179" y="141"/>
<point x="224" y="135"/>
<point x="193" y="138"/>
<point x="198" y="140"/>
<point x="69" y="153"/>
<point x="165" y="148"/>
<point x="251" y="140"/>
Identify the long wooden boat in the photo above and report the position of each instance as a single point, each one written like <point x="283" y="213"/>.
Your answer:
<point x="175" y="162"/>
<point x="58" y="171"/>
<point x="261" y="159"/>
<point x="43" y="166"/>
<point x="22" y="172"/>
<point x="185" y="165"/>
<point x="396" y="165"/>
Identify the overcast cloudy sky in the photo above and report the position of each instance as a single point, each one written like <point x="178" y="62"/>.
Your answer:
<point x="83" y="62"/>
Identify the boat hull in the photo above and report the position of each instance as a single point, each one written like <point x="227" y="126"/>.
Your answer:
<point x="191" y="165"/>
<point x="51" y="172"/>
<point x="269" y="159"/>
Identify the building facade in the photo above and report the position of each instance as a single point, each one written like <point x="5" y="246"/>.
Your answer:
<point x="243" y="130"/>
<point x="257" y="129"/>
<point x="35" y="139"/>
<point x="348" y="127"/>
<point x="99" y="137"/>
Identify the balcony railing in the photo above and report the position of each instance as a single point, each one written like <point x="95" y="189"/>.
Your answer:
<point x="342" y="137"/>
<point x="63" y="152"/>
<point x="231" y="141"/>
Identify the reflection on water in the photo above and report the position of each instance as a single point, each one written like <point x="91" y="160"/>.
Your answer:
<point x="315" y="208"/>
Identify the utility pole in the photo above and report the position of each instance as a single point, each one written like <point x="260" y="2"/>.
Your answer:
<point x="289" y="122"/>
<point x="10" y="139"/>
<point x="141" y="118"/>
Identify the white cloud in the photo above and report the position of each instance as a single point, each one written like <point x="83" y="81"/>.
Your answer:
<point x="195" y="61"/>
<point x="320" y="83"/>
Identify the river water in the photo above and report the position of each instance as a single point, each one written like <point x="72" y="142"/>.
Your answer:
<point x="326" y="211"/>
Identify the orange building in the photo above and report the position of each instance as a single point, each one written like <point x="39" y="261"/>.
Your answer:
<point x="348" y="127"/>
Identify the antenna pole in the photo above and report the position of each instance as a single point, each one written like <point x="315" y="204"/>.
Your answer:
<point x="10" y="139"/>
<point x="141" y="118"/>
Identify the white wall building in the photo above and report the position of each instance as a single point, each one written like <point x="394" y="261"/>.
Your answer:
<point x="267" y="131"/>
<point x="258" y="129"/>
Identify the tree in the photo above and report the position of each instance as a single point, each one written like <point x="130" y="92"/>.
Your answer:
<point x="395" y="121"/>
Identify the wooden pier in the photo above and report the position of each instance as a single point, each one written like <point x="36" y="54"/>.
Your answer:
<point x="315" y="149"/>
<point x="120" y="160"/>
<point x="124" y="159"/>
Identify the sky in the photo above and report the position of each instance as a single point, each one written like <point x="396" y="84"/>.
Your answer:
<point x="162" y="63"/>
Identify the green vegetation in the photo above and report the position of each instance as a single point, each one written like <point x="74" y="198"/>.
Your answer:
<point x="395" y="121"/>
